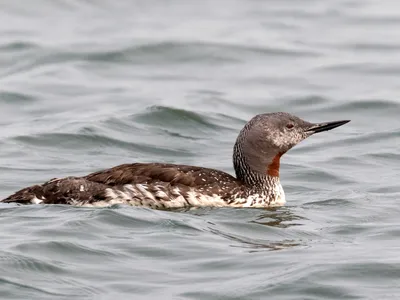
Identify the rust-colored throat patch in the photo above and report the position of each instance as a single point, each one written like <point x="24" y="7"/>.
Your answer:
<point x="273" y="167"/>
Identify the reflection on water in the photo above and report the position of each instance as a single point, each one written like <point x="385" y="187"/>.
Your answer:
<point x="255" y="245"/>
<point x="281" y="217"/>
<point x="273" y="221"/>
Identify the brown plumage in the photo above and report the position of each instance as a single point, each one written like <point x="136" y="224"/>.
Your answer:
<point x="190" y="176"/>
<point x="92" y="188"/>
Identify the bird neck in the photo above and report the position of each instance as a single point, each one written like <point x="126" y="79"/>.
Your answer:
<point x="264" y="177"/>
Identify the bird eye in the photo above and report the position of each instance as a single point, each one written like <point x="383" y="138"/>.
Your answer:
<point x="289" y="126"/>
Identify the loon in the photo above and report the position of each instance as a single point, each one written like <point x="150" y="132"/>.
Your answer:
<point x="256" y="159"/>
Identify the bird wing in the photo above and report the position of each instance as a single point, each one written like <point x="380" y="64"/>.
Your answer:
<point x="148" y="173"/>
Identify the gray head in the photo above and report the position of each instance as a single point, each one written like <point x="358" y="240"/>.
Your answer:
<point x="266" y="137"/>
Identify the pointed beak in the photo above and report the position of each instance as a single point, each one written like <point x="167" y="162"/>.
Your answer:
<point x="326" y="126"/>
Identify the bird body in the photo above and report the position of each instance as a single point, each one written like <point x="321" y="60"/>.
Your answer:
<point x="256" y="159"/>
<point x="152" y="185"/>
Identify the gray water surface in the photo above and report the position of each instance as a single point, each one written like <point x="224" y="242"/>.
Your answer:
<point x="86" y="85"/>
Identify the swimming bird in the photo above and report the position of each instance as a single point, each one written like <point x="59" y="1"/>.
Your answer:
<point x="256" y="160"/>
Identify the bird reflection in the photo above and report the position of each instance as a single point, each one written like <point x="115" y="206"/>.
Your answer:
<point x="274" y="221"/>
<point x="278" y="218"/>
<point x="255" y="245"/>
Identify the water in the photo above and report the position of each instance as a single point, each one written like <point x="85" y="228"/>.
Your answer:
<point x="86" y="85"/>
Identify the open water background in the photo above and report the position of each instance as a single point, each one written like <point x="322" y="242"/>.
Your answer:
<point x="86" y="85"/>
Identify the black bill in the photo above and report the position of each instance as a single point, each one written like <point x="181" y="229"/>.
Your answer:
<point x="326" y="126"/>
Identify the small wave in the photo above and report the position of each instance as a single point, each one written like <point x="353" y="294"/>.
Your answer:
<point x="338" y="202"/>
<point x="76" y="141"/>
<point x="18" y="46"/>
<point x="16" y="98"/>
<point x="363" y="68"/>
<point x="372" y="105"/>
<point x="23" y="263"/>
<point x="198" y="52"/>
<point x="181" y="118"/>
<point x="374" y="47"/>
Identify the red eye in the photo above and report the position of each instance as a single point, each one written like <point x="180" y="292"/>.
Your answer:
<point x="289" y="126"/>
